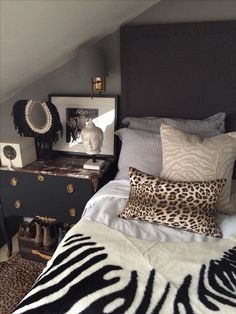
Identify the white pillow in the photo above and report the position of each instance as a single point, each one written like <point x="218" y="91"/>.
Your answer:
<point x="211" y="126"/>
<point x="188" y="157"/>
<point x="141" y="150"/>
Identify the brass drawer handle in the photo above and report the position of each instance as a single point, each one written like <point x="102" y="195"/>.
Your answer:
<point x="95" y="184"/>
<point x="70" y="188"/>
<point x="40" y="178"/>
<point x="13" y="181"/>
<point x="72" y="212"/>
<point x="18" y="204"/>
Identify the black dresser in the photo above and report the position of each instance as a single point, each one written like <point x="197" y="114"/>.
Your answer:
<point x="58" y="188"/>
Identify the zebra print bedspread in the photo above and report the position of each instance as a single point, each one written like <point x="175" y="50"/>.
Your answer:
<point x="100" y="270"/>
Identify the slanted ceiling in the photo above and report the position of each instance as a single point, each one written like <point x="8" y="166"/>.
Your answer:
<point x="38" y="36"/>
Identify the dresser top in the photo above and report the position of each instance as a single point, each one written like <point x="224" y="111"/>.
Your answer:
<point x="62" y="166"/>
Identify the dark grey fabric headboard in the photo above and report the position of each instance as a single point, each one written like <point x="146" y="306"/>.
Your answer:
<point x="179" y="70"/>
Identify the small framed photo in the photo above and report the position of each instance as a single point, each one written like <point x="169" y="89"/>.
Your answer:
<point x="75" y="111"/>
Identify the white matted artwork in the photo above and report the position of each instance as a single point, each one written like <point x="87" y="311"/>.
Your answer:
<point x="75" y="111"/>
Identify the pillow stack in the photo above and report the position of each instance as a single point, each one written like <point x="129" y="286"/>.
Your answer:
<point x="141" y="141"/>
<point x="208" y="127"/>
<point x="194" y="155"/>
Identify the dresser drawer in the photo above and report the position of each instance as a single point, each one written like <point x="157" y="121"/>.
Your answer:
<point x="26" y="194"/>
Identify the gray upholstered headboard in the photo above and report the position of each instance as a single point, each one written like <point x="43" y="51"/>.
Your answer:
<point x="179" y="70"/>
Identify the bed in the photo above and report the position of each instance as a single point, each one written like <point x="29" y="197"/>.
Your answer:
<point x="106" y="265"/>
<point x="114" y="261"/>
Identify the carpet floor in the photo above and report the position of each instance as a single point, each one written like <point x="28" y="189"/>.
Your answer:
<point x="17" y="276"/>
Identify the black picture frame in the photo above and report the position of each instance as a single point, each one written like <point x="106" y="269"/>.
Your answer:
<point x="101" y="109"/>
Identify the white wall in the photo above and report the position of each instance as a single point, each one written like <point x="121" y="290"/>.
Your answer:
<point x="68" y="80"/>
<point x="65" y="80"/>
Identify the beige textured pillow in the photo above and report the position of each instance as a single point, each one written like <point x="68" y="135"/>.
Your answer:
<point x="187" y="205"/>
<point x="188" y="157"/>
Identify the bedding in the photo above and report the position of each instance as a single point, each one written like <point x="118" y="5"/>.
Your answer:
<point x="211" y="126"/>
<point x="104" y="265"/>
<point x="135" y="145"/>
<point x="187" y="205"/>
<point x="107" y="204"/>
<point x="99" y="270"/>
<point x="189" y="157"/>
<point x="233" y="194"/>
<point x="143" y="135"/>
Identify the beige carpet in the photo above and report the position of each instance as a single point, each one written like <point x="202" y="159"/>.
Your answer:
<point x="17" y="275"/>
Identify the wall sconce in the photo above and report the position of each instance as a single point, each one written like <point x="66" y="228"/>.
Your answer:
<point x="91" y="62"/>
<point x="99" y="84"/>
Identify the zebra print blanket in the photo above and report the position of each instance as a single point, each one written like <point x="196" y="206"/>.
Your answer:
<point x="100" y="270"/>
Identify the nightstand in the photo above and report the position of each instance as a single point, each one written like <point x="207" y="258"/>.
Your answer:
<point x="57" y="188"/>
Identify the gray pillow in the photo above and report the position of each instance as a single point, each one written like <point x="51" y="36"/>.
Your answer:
<point x="211" y="126"/>
<point x="141" y="150"/>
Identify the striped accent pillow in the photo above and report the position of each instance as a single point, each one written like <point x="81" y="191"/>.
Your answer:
<point x="188" y="157"/>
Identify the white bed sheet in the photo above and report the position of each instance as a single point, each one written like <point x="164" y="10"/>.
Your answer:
<point x="106" y="205"/>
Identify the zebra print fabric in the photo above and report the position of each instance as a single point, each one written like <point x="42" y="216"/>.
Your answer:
<point x="188" y="157"/>
<point x="99" y="270"/>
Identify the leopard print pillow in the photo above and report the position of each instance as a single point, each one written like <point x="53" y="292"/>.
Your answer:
<point x="191" y="206"/>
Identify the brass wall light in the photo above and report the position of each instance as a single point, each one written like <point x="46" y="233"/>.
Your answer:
<point x="92" y="64"/>
<point x="99" y="84"/>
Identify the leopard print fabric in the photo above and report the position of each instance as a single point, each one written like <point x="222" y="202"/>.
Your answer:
<point x="17" y="276"/>
<point x="191" y="206"/>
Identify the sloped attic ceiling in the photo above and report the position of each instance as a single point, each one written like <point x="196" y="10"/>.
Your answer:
<point x="39" y="36"/>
